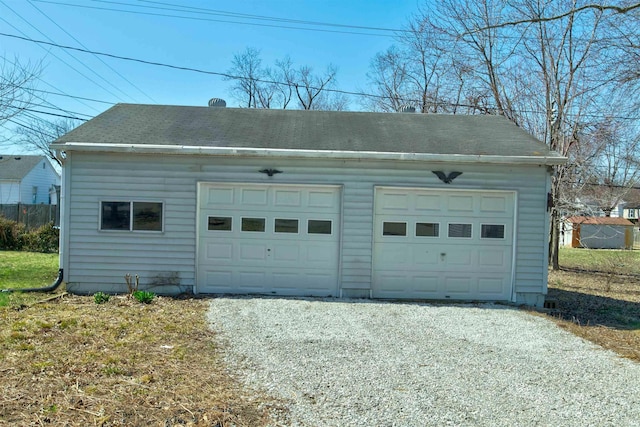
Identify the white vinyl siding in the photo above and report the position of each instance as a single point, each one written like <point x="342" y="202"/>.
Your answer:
<point x="41" y="178"/>
<point x="100" y="260"/>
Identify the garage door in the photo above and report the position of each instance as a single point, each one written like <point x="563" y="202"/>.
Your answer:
<point x="268" y="239"/>
<point x="437" y="244"/>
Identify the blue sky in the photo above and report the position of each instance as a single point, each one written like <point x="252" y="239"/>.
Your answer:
<point x="195" y="43"/>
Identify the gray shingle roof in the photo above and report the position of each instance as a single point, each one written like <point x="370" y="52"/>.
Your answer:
<point x="16" y="167"/>
<point x="308" y="130"/>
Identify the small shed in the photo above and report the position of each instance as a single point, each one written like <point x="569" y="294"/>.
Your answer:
<point x="601" y="232"/>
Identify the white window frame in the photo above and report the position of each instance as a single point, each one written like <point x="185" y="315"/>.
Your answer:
<point x="131" y="202"/>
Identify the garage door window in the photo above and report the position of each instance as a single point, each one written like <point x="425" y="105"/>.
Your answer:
<point x="316" y="226"/>
<point x="394" y="228"/>
<point x="492" y="231"/>
<point x="219" y="223"/>
<point x="427" y="229"/>
<point x="286" y="225"/>
<point x="253" y="224"/>
<point x="460" y="231"/>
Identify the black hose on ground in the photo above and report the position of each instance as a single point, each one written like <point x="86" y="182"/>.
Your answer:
<point x="50" y="288"/>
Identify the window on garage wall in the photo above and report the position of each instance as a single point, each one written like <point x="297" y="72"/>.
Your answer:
<point x="131" y="216"/>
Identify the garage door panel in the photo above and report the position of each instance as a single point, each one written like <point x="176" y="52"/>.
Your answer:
<point x="219" y="252"/>
<point x="256" y="238"/>
<point x="458" y="285"/>
<point x="491" y="285"/>
<point x="428" y="204"/>
<point x="222" y="281"/>
<point x="460" y="203"/>
<point x="494" y="258"/>
<point x="494" y="205"/>
<point x="424" y="257"/>
<point x="395" y="255"/>
<point x="458" y="244"/>
<point x="251" y="252"/>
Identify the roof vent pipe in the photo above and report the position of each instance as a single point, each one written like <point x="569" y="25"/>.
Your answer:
<point x="407" y="109"/>
<point x="217" y="102"/>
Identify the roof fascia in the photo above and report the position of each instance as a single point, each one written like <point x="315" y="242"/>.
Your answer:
<point x="287" y="153"/>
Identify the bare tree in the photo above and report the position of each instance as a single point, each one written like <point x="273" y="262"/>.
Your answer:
<point x="248" y="74"/>
<point x="16" y="84"/>
<point x="275" y="87"/>
<point x="388" y="77"/>
<point x="309" y="86"/>
<point x="40" y="133"/>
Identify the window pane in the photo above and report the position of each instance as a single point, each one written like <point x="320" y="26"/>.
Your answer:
<point x="286" y="225"/>
<point x="147" y="216"/>
<point x="219" y="223"/>
<point x="427" y="229"/>
<point x="115" y="216"/>
<point x="394" y="229"/>
<point x="459" y="230"/>
<point x="492" y="231"/>
<point x="252" y="224"/>
<point x="315" y="226"/>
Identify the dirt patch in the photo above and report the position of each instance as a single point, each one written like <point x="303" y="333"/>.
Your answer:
<point x="73" y="362"/>
<point x="603" y="308"/>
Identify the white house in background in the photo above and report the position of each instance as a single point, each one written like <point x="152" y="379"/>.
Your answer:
<point x="286" y="202"/>
<point x="27" y="180"/>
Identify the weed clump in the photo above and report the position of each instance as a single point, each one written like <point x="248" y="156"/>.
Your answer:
<point x="144" y="297"/>
<point x="100" y="297"/>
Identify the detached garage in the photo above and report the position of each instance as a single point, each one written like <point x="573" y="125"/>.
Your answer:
<point x="305" y="203"/>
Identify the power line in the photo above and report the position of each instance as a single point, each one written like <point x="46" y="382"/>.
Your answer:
<point x="194" y="18"/>
<point x="206" y="11"/>
<point x="73" y="96"/>
<point x="54" y="114"/>
<point x="62" y="93"/>
<point x="97" y="57"/>
<point x="234" y="77"/>
<point x="62" y="60"/>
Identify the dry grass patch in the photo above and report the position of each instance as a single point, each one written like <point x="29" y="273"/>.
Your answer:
<point x="602" y="308"/>
<point x="73" y="362"/>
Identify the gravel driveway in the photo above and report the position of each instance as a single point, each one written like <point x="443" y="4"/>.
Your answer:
<point x="368" y="363"/>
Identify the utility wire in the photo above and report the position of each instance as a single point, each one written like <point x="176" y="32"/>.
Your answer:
<point x="97" y="57"/>
<point x="194" y="18"/>
<point x="62" y="60"/>
<point x="61" y="92"/>
<point x="234" y="77"/>
<point x="73" y="96"/>
<point x="206" y="11"/>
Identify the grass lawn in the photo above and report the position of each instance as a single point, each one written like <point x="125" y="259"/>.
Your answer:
<point x="25" y="270"/>
<point x="598" y="296"/>
<point x="69" y="361"/>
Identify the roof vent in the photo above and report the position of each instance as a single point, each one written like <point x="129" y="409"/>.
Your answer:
<point x="407" y="109"/>
<point x="217" y="102"/>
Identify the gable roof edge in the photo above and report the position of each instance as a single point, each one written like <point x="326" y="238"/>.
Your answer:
<point x="299" y="153"/>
